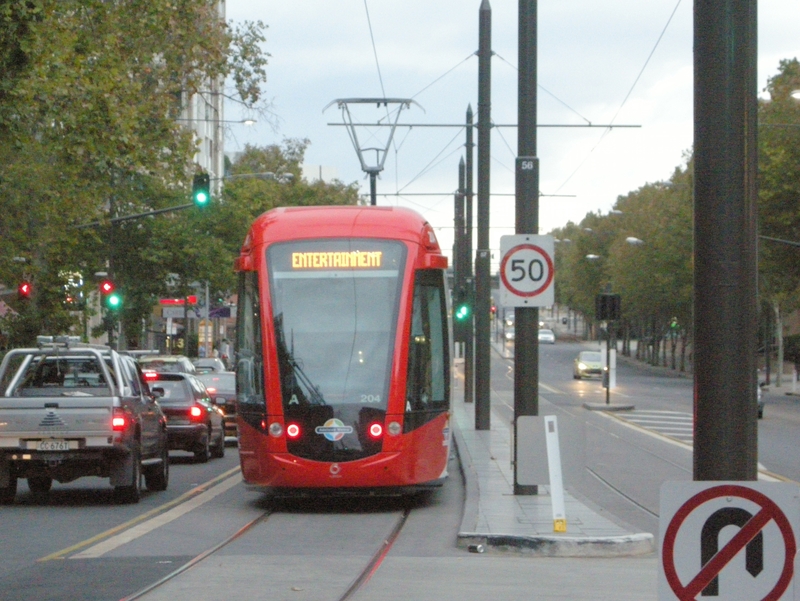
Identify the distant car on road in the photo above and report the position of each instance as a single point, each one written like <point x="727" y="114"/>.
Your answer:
<point x="547" y="336"/>
<point x="178" y="364"/>
<point x="208" y="365"/>
<point x="508" y="334"/>
<point x="221" y="387"/>
<point x="588" y="363"/>
<point x="194" y="422"/>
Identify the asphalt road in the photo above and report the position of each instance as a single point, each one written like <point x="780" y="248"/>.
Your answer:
<point x="62" y="546"/>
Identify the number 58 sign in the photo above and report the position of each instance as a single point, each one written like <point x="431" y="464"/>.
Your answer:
<point x="526" y="271"/>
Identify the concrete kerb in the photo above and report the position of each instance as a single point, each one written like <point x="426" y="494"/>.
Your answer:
<point x="540" y="545"/>
<point x="561" y="546"/>
<point x="609" y="406"/>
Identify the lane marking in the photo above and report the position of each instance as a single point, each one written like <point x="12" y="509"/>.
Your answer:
<point x="140" y="530"/>
<point x="155" y="511"/>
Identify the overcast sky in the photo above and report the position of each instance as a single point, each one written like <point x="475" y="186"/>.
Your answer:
<point x="590" y="55"/>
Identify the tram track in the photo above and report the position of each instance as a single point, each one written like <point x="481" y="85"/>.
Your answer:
<point x="357" y="583"/>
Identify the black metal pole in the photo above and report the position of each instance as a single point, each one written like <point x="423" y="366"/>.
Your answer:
<point x="526" y="339"/>
<point x="373" y="188"/>
<point x="469" y="345"/>
<point x="483" y="255"/>
<point x="725" y="280"/>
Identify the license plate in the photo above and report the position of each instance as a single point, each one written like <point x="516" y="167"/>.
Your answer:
<point x="52" y="444"/>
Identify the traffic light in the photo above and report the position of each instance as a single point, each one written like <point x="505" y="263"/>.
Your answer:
<point x="112" y="298"/>
<point x="24" y="290"/>
<point x="201" y="189"/>
<point x="114" y="301"/>
<point x="607" y="307"/>
<point x="462" y="312"/>
<point x="107" y="287"/>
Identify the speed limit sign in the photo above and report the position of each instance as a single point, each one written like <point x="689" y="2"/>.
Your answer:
<point x="526" y="271"/>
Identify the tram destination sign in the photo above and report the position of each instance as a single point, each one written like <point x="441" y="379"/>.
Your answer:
<point x="527" y="273"/>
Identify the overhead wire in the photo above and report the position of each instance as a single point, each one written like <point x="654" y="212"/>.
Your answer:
<point x="627" y="96"/>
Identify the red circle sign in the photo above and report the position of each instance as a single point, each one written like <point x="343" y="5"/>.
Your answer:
<point x="526" y="270"/>
<point x="769" y="511"/>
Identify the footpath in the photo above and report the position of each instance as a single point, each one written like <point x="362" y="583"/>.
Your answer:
<point x="497" y="520"/>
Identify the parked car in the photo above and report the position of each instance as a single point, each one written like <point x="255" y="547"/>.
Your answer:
<point x="547" y="336"/>
<point x="221" y="387"/>
<point x="194" y="422"/>
<point x="167" y="363"/>
<point x="209" y="365"/>
<point x="588" y="363"/>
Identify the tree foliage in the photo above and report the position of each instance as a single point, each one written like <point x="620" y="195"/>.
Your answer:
<point x="89" y="92"/>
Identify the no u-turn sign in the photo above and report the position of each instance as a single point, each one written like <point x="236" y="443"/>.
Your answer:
<point x="728" y="541"/>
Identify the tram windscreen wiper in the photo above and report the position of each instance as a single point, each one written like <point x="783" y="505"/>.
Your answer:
<point x="286" y="358"/>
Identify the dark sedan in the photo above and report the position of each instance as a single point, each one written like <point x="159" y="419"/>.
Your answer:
<point x="194" y="422"/>
<point x="221" y="387"/>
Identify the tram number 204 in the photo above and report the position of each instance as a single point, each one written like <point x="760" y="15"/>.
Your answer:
<point x="534" y="270"/>
<point x="370" y="398"/>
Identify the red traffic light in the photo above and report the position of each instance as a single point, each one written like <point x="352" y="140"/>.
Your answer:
<point x="107" y="287"/>
<point x="25" y="289"/>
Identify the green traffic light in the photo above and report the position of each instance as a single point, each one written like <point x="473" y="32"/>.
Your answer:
<point x="114" y="301"/>
<point x="201" y="189"/>
<point x="462" y="312"/>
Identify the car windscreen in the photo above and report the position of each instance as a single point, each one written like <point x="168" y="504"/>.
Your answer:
<point x="591" y="357"/>
<point x="225" y="383"/>
<point x="63" y="376"/>
<point x="175" y="391"/>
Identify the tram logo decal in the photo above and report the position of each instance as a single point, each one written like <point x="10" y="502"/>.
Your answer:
<point x="333" y="429"/>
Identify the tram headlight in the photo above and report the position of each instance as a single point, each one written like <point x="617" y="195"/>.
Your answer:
<point x="395" y="428"/>
<point x="293" y="431"/>
<point x="276" y="429"/>
<point x="376" y="430"/>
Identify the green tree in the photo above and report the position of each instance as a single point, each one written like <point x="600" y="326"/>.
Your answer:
<point x="89" y="92"/>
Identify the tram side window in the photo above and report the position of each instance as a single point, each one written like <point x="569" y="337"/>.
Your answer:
<point x="249" y="356"/>
<point x="427" y="386"/>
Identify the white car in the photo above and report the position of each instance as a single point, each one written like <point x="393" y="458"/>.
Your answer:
<point x="547" y="336"/>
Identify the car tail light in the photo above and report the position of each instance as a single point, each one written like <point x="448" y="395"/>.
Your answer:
<point x="150" y="375"/>
<point x="119" y="422"/>
<point x="196" y="413"/>
<point x="376" y="430"/>
<point x="211" y="389"/>
<point x="293" y="431"/>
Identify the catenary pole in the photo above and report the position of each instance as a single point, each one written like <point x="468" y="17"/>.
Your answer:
<point x="725" y="240"/>
<point x="483" y="254"/>
<point x="469" y="346"/>
<point x="526" y="342"/>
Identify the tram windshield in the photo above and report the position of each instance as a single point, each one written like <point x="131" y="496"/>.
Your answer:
<point x="335" y="305"/>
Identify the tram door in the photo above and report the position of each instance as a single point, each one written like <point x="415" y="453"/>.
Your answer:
<point x="428" y="380"/>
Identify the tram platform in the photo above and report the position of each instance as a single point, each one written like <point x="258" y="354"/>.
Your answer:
<point x="497" y="520"/>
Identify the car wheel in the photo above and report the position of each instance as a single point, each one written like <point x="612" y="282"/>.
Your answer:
<point x="131" y="492"/>
<point x="40" y="485"/>
<point x="219" y="448"/>
<point x="760" y="412"/>
<point x="157" y="478"/>
<point x="203" y="452"/>
<point x="7" y="493"/>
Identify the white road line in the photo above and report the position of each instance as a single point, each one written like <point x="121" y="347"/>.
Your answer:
<point x="122" y="538"/>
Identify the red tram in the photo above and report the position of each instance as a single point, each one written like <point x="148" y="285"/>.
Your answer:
<point x="343" y="352"/>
